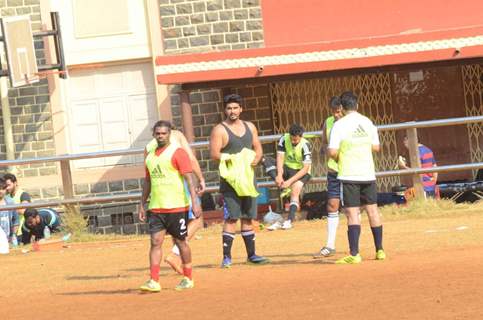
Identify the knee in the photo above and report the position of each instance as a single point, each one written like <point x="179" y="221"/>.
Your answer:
<point x="156" y="243"/>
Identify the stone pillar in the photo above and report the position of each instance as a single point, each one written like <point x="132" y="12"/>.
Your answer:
<point x="187" y="116"/>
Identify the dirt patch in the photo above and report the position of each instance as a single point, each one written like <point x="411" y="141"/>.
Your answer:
<point x="434" y="270"/>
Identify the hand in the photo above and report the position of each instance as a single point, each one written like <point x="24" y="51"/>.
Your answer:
<point x="286" y="184"/>
<point x="196" y="208"/>
<point x="142" y="213"/>
<point x="279" y="181"/>
<point x="401" y="162"/>
<point x="200" y="189"/>
<point x="254" y="163"/>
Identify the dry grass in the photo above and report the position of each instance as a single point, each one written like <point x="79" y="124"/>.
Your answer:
<point x="425" y="208"/>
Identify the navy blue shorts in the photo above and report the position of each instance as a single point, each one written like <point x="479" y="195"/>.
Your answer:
<point x="333" y="186"/>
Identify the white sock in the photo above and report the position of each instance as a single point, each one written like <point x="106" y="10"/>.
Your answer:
<point x="332" y="224"/>
<point x="175" y="250"/>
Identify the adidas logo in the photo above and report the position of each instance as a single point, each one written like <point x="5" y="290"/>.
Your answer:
<point x="360" y="132"/>
<point x="157" y="173"/>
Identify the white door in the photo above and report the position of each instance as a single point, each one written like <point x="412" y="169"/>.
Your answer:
<point x="111" y="108"/>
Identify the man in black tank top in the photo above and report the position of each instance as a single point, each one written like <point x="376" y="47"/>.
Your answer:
<point x="231" y="136"/>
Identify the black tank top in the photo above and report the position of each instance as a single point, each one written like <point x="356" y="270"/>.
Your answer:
<point x="235" y="144"/>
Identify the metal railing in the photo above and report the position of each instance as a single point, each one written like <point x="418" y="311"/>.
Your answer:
<point x="411" y="128"/>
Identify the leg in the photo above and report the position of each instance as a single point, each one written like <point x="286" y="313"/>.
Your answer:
<point x="155" y="253"/>
<point x="333" y="204"/>
<point x="249" y="212"/>
<point x="231" y="214"/>
<point x="173" y="259"/>
<point x="351" y="200"/>
<point x="294" y="199"/>
<point x="369" y="197"/>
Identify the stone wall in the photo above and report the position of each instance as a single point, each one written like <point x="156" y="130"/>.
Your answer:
<point x="200" y="26"/>
<point x="29" y="105"/>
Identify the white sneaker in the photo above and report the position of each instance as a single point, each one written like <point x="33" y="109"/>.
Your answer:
<point x="287" y="224"/>
<point x="277" y="225"/>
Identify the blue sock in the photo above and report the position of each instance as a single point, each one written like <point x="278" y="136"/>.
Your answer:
<point x="249" y="238"/>
<point x="377" y="234"/>
<point x="227" y="243"/>
<point x="353" y="233"/>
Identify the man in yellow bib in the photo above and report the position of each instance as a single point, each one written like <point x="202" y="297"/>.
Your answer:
<point x="17" y="195"/>
<point x="294" y="158"/>
<point x="353" y="139"/>
<point x="333" y="184"/>
<point x="167" y="167"/>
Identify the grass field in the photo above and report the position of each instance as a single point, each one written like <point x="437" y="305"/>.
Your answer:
<point x="434" y="270"/>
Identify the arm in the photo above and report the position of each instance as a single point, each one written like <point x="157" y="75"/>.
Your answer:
<point x="333" y="153"/>
<point x="280" y="160"/>
<point x="302" y="172"/>
<point x="194" y="162"/>
<point x="15" y="222"/>
<point x="216" y="142"/>
<point x="144" y="197"/>
<point x="257" y="146"/>
<point x="195" y="205"/>
<point x="376" y="145"/>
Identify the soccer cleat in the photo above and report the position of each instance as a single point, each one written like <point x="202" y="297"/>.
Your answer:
<point x="285" y="192"/>
<point x="186" y="283"/>
<point x="350" y="260"/>
<point x="257" y="260"/>
<point x="226" y="263"/>
<point x="174" y="262"/>
<point x="380" y="255"/>
<point x="287" y="224"/>
<point x="277" y="225"/>
<point x="324" y="253"/>
<point x="150" y="286"/>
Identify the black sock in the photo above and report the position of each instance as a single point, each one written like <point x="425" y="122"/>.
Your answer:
<point x="249" y="238"/>
<point x="227" y="243"/>
<point x="377" y="234"/>
<point x="270" y="166"/>
<point x="353" y="233"/>
<point x="272" y="174"/>
<point x="291" y="213"/>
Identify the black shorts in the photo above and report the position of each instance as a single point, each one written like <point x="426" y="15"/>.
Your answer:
<point x="289" y="173"/>
<point x="356" y="194"/>
<point x="333" y="185"/>
<point x="236" y="207"/>
<point x="175" y="224"/>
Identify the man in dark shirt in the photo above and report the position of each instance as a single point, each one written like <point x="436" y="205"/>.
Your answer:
<point x="39" y="224"/>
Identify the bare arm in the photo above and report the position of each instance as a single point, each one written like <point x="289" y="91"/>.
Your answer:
<point x="333" y="153"/>
<point x="195" y="205"/>
<point x="376" y="147"/>
<point x="280" y="160"/>
<point x="257" y="146"/>
<point x="216" y="142"/>
<point x="144" y="198"/>
<point x="302" y="172"/>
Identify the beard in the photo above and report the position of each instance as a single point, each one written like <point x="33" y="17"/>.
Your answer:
<point x="161" y="143"/>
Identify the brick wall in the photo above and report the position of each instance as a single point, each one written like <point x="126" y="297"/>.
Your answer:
<point x="190" y="26"/>
<point x="29" y="105"/>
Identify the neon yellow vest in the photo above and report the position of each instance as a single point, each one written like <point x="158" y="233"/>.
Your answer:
<point x="167" y="184"/>
<point x="355" y="157"/>
<point x="329" y="123"/>
<point x="21" y="218"/>
<point x="293" y="155"/>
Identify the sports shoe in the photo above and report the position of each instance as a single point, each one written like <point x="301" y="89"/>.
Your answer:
<point x="350" y="260"/>
<point x="257" y="260"/>
<point x="226" y="263"/>
<point x="186" y="283"/>
<point x="174" y="262"/>
<point x="277" y="225"/>
<point x="324" y="253"/>
<point x="285" y="192"/>
<point x="287" y="224"/>
<point x="150" y="286"/>
<point x="380" y="255"/>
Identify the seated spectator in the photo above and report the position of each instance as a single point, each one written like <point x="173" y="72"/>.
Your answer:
<point x="40" y="224"/>
<point x="17" y="195"/>
<point x="9" y="220"/>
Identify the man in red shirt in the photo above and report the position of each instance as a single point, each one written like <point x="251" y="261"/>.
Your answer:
<point x="167" y="167"/>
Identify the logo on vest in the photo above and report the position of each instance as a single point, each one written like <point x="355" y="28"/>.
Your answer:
<point x="157" y="173"/>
